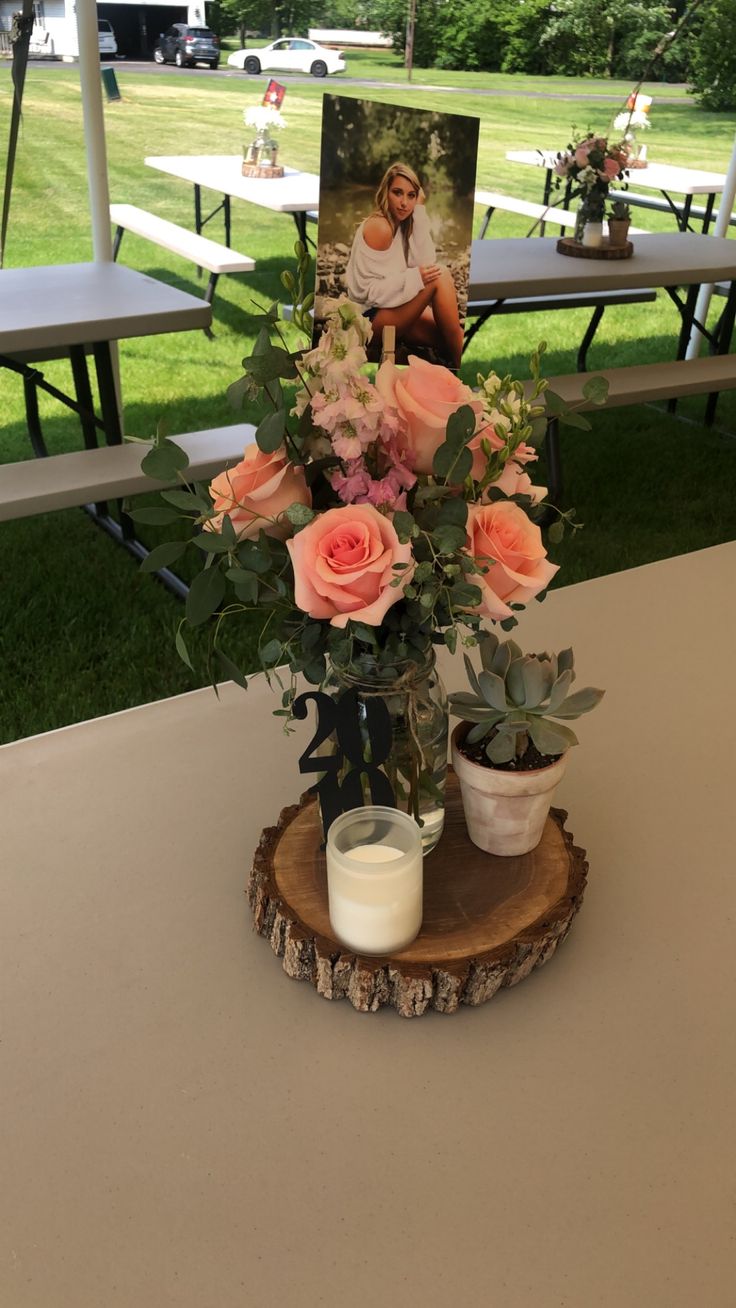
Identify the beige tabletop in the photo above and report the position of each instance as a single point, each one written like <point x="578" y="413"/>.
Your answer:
<point x="184" y="1125"/>
<point x="79" y="303"/>
<point x="512" y="266"/>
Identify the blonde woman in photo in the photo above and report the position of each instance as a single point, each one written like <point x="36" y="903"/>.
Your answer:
<point x="393" y="272"/>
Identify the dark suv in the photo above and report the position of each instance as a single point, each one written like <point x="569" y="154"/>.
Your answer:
<point x="186" y="46"/>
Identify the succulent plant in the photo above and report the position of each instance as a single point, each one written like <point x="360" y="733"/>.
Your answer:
<point x="515" y="695"/>
<point x="620" y="210"/>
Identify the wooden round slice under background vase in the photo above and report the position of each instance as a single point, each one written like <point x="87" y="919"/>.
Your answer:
<point x="488" y="921"/>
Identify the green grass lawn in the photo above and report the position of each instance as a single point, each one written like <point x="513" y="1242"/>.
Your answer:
<point x="83" y="632"/>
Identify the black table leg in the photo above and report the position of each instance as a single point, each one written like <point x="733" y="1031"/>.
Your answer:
<point x="83" y="391"/>
<point x="108" y="393"/>
<point x="300" y="220"/>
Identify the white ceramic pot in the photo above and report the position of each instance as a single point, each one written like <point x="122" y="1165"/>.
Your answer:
<point x="593" y="235"/>
<point x="505" y="812"/>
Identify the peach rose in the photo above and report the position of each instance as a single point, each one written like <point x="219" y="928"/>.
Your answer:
<point x="502" y="538"/>
<point x="256" y="492"/>
<point x="343" y="565"/>
<point x="425" y="395"/>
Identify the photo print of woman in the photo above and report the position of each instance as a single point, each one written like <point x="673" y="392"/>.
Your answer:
<point x="395" y="227"/>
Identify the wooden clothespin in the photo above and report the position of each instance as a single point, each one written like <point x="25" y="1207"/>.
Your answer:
<point x="388" y="345"/>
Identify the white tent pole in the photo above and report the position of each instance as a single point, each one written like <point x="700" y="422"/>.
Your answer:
<point x="94" y="129"/>
<point x="720" y="228"/>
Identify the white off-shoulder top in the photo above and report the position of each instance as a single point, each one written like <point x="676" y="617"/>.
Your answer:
<point x="385" y="278"/>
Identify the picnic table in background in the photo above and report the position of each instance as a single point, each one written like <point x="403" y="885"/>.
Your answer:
<point x="296" y="192"/>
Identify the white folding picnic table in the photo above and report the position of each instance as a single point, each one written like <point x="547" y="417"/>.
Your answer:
<point x="296" y="192"/>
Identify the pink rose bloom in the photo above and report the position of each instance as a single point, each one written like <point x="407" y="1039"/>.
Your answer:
<point x="256" y="492"/>
<point x="582" y="152"/>
<point x="343" y="565"/>
<point x="611" y="168"/>
<point x="502" y="538"/>
<point x="425" y="395"/>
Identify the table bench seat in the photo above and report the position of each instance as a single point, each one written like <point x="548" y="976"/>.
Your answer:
<point x="200" y="250"/>
<point x="640" y="384"/>
<point x="63" y="481"/>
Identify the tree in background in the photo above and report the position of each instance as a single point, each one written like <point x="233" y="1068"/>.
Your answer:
<point x="585" y="38"/>
<point x="242" y="16"/>
<point x="713" y="55"/>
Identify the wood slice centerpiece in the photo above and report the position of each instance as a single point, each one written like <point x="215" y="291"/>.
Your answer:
<point x="576" y="250"/>
<point x="262" y="170"/>
<point x="488" y="921"/>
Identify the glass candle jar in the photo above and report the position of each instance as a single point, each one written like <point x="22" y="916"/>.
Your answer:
<point x="374" y="879"/>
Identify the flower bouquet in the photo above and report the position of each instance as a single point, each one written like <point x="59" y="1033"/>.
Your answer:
<point x="378" y="514"/>
<point x="262" y="151"/>
<point x="588" y="167"/>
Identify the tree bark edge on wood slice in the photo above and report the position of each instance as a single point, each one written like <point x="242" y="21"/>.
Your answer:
<point x="551" y="879"/>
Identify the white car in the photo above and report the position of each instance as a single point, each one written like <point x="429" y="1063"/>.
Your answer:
<point x="292" y="54"/>
<point x="106" y="38"/>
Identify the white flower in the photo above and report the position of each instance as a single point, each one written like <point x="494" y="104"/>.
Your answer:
<point x="626" y="121"/>
<point x="264" y="118"/>
<point x="587" y="176"/>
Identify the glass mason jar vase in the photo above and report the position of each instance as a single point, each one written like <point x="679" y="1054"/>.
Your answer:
<point x="590" y="214"/>
<point x="417" y="707"/>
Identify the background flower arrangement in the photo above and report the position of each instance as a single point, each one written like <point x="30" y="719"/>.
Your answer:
<point x="588" y="167"/>
<point x="265" y="119"/>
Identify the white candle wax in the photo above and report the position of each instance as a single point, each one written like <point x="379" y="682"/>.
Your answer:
<point x="375" y="890"/>
<point x="374" y="853"/>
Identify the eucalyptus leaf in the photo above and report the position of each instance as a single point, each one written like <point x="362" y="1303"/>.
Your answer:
<point x="270" y="431"/>
<point x="452" y="463"/>
<point x="596" y="389"/>
<point x="163" y="555"/>
<point x="231" y="669"/>
<point x="205" y="595"/>
<point x="265" y="367"/>
<point x="182" y="650"/>
<point x="461" y="426"/>
<point x="154" y="517"/>
<point x="164" y="461"/>
<point x="404" y="523"/>
<point x="186" y="499"/>
<point x="210" y="543"/>
<point x="556" y="531"/>
<point x="270" y="653"/>
<point x="447" y="539"/>
<point x="575" y="420"/>
<point x="454" y="512"/>
<point x="299" y="514"/>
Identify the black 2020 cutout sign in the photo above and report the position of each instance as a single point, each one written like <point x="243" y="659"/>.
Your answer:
<point x="341" y="716"/>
